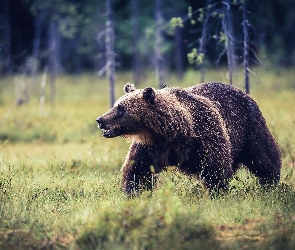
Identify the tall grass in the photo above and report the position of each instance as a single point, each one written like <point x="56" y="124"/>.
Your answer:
<point x="60" y="180"/>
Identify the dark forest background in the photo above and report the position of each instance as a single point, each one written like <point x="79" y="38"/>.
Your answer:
<point x="72" y="31"/>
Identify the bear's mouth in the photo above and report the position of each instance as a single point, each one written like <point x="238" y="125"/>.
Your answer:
<point x="111" y="133"/>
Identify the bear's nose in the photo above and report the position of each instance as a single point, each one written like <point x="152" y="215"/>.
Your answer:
<point x="99" y="120"/>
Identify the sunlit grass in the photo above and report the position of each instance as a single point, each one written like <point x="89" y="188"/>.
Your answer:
<point x="60" y="180"/>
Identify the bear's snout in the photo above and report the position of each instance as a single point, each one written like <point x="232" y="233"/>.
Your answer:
<point x="100" y="122"/>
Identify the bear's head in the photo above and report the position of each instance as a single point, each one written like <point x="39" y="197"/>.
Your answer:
<point x="127" y="115"/>
<point x="148" y="112"/>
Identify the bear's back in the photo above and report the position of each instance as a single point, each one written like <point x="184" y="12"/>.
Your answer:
<point x="232" y="104"/>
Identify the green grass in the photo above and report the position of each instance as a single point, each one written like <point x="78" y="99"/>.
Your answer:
<point x="60" y="180"/>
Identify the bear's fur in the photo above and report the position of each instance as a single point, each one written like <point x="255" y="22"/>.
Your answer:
<point x="208" y="130"/>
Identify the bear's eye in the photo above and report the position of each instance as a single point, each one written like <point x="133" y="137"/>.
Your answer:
<point x="120" y="110"/>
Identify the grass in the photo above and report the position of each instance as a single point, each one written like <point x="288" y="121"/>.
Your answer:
<point x="60" y="180"/>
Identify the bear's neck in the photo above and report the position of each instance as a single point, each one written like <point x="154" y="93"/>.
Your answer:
<point x="142" y="138"/>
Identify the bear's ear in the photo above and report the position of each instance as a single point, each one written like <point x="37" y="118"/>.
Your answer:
<point x="129" y="87"/>
<point x="149" y="95"/>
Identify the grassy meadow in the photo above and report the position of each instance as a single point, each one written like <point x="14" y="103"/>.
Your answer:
<point x="60" y="180"/>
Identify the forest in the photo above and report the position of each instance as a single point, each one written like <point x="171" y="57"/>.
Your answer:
<point x="63" y="63"/>
<point x="72" y="33"/>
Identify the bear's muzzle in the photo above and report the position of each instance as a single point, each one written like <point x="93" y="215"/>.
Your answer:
<point x="109" y="132"/>
<point x="100" y="122"/>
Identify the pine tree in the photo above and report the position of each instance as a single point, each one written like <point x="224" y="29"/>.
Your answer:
<point x="110" y="50"/>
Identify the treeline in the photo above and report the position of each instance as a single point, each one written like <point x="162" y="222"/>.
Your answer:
<point x="70" y="34"/>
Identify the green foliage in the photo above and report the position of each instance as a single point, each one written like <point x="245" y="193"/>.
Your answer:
<point x="223" y="38"/>
<point x="148" y="223"/>
<point x="201" y="18"/>
<point x="62" y="11"/>
<point x="190" y="12"/>
<point x="195" y="57"/>
<point x="176" y="22"/>
<point x="146" y="28"/>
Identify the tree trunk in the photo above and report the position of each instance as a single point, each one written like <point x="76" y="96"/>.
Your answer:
<point x="42" y="91"/>
<point x="36" y="43"/>
<point x="53" y="60"/>
<point x="178" y="54"/>
<point x="202" y="42"/>
<point x="7" y="37"/>
<point x="77" y="67"/>
<point x="110" y="50"/>
<point x="159" y="63"/>
<point x="228" y="29"/>
<point x="135" y="37"/>
<point x="246" y="48"/>
<point x="101" y="58"/>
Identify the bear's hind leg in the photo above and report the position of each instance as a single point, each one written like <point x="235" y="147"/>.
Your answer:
<point x="268" y="173"/>
<point x="264" y="161"/>
<point x="264" y="154"/>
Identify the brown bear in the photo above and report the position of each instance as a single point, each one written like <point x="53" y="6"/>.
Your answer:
<point x="208" y="130"/>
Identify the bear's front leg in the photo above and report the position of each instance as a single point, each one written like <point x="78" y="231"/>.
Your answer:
<point x="139" y="169"/>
